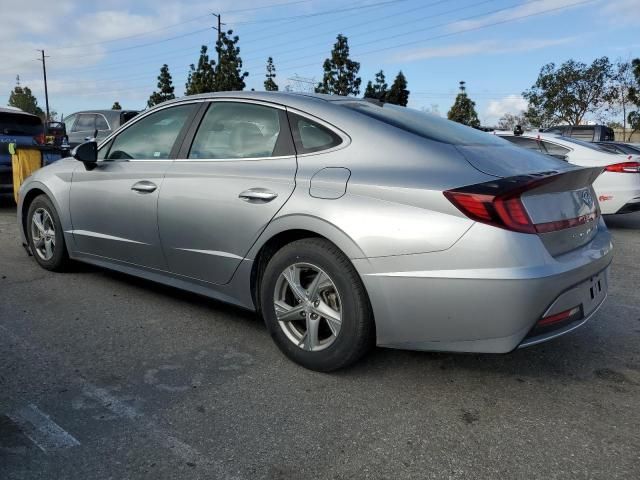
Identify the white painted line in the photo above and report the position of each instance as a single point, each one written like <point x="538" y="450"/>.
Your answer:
<point x="41" y="430"/>
<point x="108" y="401"/>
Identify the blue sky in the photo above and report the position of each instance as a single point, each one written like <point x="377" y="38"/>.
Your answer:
<point x="100" y="52"/>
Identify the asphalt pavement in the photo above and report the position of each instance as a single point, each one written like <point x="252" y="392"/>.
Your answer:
<point x="106" y="376"/>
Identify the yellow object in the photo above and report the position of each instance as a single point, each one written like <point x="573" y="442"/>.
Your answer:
<point x="24" y="162"/>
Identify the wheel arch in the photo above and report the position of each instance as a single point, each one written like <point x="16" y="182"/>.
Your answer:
<point x="288" y="229"/>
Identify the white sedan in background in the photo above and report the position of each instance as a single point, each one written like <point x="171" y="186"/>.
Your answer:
<point x="618" y="187"/>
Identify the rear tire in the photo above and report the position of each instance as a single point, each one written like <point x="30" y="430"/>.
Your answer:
<point x="315" y="306"/>
<point x="45" y="235"/>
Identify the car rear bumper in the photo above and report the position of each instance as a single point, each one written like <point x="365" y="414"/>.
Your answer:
<point x="487" y="309"/>
<point x="618" y="192"/>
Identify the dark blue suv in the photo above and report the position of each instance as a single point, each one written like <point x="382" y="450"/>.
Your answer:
<point x="24" y="130"/>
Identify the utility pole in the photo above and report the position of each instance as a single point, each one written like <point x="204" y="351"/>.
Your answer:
<point x="219" y="29"/>
<point x="44" y="72"/>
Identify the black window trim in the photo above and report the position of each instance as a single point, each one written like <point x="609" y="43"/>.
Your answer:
<point x="187" y="141"/>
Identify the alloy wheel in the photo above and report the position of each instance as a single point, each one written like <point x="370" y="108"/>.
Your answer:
<point x="307" y="306"/>
<point x="43" y="234"/>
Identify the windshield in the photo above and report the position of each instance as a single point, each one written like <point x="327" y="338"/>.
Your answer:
<point x="424" y="124"/>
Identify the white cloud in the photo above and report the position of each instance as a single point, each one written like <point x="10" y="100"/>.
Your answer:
<point x="487" y="47"/>
<point x="533" y="7"/>
<point x="513" y="104"/>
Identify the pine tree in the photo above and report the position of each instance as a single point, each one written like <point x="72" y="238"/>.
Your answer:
<point x="116" y="106"/>
<point x="398" y="94"/>
<point x="269" y="84"/>
<point x="22" y="98"/>
<point x="202" y="78"/>
<point x="463" y="109"/>
<point x="165" y="88"/>
<point x="340" y="72"/>
<point x="379" y="89"/>
<point x="228" y="74"/>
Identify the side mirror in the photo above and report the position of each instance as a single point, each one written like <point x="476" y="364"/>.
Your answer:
<point x="86" y="152"/>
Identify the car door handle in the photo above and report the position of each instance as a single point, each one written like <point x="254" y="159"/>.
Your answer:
<point x="258" y="195"/>
<point x="144" y="186"/>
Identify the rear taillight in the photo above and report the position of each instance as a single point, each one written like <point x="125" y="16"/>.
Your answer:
<point x="568" y="315"/>
<point x="624" y="167"/>
<point x="39" y="139"/>
<point x="499" y="203"/>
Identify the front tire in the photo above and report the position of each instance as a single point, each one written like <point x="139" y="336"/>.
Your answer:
<point x="45" y="235"/>
<point x="315" y="306"/>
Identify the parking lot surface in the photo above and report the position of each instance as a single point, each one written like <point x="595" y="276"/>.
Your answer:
<point x="107" y="376"/>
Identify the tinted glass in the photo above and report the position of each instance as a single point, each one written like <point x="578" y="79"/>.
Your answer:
<point x="102" y="151"/>
<point x="310" y="136"/>
<point x="151" y="138"/>
<point x="583" y="133"/>
<point x="101" y="123"/>
<point x="524" y="142"/>
<point x="553" y="149"/>
<point x="424" y="124"/>
<point x="582" y="143"/>
<point x="86" y="122"/>
<point x="12" y="124"/>
<point x="237" y="130"/>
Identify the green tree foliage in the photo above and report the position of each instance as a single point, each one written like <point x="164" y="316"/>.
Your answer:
<point x="569" y="92"/>
<point x="165" y="88"/>
<point x="340" y="72"/>
<point x="398" y="93"/>
<point x="201" y="79"/>
<point x="633" y="118"/>
<point x="509" y="121"/>
<point x="377" y="90"/>
<point x="228" y="73"/>
<point x="22" y="98"/>
<point x="269" y="84"/>
<point x="464" y="109"/>
<point x="116" y="106"/>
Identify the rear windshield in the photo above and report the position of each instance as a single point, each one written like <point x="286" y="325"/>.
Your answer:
<point x="590" y="145"/>
<point x="17" y="124"/>
<point x="424" y="124"/>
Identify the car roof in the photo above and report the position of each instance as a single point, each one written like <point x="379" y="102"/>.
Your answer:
<point x="292" y="99"/>
<point x="103" y="112"/>
<point x="15" y="110"/>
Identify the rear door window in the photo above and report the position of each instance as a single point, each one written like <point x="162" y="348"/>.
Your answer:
<point x="555" y="150"/>
<point x="241" y="130"/>
<point x="525" y="142"/>
<point x="101" y="122"/>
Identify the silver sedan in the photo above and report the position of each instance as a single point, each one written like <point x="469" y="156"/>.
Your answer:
<point x="345" y="223"/>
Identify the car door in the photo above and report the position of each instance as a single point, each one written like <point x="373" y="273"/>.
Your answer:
<point x="84" y="127"/>
<point x="114" y="204"/>
<point x="225" y="187"/>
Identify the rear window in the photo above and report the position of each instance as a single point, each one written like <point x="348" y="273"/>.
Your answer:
<point x="423" y="124"/>
<point x="17" y="124"/>
<point x="589" y="145"/>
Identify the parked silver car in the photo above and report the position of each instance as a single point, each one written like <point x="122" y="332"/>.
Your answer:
<point x="345" y="223"/>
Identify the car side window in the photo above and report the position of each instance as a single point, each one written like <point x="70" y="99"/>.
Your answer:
<point x="241" y="130"/>
<point x="555" y="150"/>
<point x="310" y="136"/>
<point x="151" y="138"/>
<point x="101" y="122"/>
<point x="86" y="122"/>
<point x="524" y="142"/>
<point x="68" y="122"/>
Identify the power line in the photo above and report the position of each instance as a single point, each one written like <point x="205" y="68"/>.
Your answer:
<point x="436" y="37"/>
<point x="388" y="27"/>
